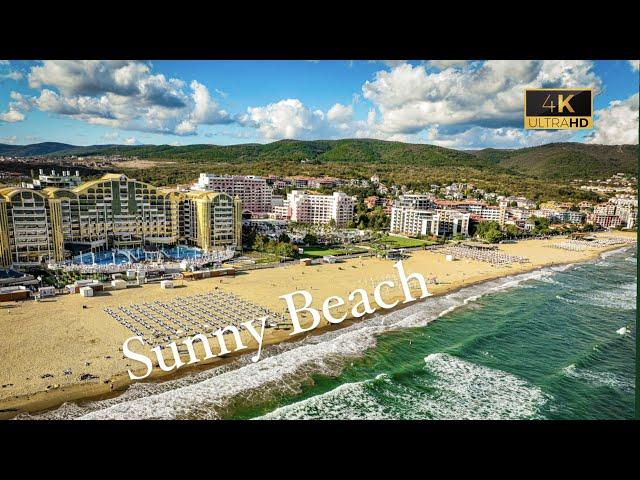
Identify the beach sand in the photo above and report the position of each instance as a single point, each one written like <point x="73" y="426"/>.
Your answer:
<point x="42" y="340"/>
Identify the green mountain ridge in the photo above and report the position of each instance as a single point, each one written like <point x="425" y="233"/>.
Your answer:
<point x="555" y="161"/>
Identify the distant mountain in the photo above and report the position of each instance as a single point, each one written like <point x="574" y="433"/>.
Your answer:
<point x="556" y="161"/>
<point x="62" y="149"/>
<point x="564" y="161"/>
<point x="35" y="149"/>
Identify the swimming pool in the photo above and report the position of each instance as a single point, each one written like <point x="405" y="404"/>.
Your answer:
<point x="132" y="255"/>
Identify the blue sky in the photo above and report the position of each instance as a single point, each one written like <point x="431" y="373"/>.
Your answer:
<point x="458" y="104"/>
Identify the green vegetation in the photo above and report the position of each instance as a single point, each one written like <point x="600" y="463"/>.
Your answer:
<point x="490" y="231"/>
<point x="402" y="242"/>
<point x="282" y="247"/>
<point x="566" y="161"/>
<point x="61" y="278"/>
<point x="318" y="251"/>
<point x="539" y="173"/>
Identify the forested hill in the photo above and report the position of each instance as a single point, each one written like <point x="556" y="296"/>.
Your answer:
<point x="564" y="161"/>
<point x="556" y="161"/>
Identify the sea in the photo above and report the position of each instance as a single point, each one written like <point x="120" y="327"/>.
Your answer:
<point x="557" y="343"/>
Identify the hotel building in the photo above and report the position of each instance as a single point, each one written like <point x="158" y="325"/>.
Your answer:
<point x="605" y="221"/>
<point x="254" y="192"/>
<point x="320" y="209"/>
<point x="416" y="201"/>
<point x="442" y="222"/>
<point x="111" y="212"/>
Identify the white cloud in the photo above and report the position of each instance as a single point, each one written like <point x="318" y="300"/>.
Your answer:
<point x="443" y="64"/>
<point x="12" y="75"/>
<point x="17" y="106"/>
<point x="393" y="63"/>
<point x="110" y="136"/>
<point x="124" y="94"/>
<point x="482" y="137"/>
<point x="206" y="110"/>
<point x="340" y="113"/>
<point x="410" y="99"/>
<point x="12" y="116"/>
<point x="130" y="141"/>
<point x="11" y="140"/>
<point x="285" y="119"/>
<point x="635" y="65"/>
<point x="617" y="124"/>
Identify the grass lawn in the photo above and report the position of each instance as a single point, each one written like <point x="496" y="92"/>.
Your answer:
<point x="262" y="257"/>
<point x="314" y="252"/>
<point x="401" y="242"/>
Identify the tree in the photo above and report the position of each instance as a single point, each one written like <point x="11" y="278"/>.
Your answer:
<point x="283" y="237"/>
<point x="512" y="231"/>
<point x="310" y="239"/>
<point x="259" y="243"/>
<point x="494" y="236"/>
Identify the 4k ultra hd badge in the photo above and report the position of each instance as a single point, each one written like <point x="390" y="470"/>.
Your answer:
<point x="558" y="108"/>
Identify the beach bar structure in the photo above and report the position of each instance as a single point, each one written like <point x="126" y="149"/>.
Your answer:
<point x="86" y="291"/>
<point x="118" y="284"/>
<point x="164" y="284"/>
<point x="12" y="294"/>
<point x="219" y="272"/>
<point x="79" y="284"/>
<point x="44" y="292"/>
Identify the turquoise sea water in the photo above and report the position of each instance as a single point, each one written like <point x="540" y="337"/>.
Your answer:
<point x="549" y="348"/>
<point x="553" y="344"/>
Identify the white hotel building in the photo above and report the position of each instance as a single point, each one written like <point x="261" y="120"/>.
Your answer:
<point x="408" y="220"/>
<point x="253" y="191"/>
<point x="320" y="209"/>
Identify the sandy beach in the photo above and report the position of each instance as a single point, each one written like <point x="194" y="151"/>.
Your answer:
<point x="48" y="346"/>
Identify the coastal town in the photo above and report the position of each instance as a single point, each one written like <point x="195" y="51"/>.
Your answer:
<point x="111" y="258"/>
<point x="57" y="226"/>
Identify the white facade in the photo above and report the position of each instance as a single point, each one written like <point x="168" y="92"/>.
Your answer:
<point x="416" y="201"/>
<point x="495" y="214"/>
<point x="320" y="209"/>
<point x="254" y="192"/>
<point x="411" y="221"/>
<point x="451" y="222"/>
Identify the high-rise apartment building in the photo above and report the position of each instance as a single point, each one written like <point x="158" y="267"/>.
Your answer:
<point x="320" y="209"/>
<point x="254" y="192"/>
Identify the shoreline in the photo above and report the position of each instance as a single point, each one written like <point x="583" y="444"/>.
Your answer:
<point x="118" y="383"/>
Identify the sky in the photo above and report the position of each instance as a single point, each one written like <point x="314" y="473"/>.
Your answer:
<point x="452" y="103"/>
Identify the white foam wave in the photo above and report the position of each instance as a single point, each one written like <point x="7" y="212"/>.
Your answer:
<point x="600" y="379"/>
<point x="617" y="251"/>
<point x="452" y="389"/>
<point x="622" y="297"/>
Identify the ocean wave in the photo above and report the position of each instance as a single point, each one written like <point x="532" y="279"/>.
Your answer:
<point x="600" y="379"/>
<point x="617" y="251"/>
<point x="623" y="297"/>
<point x="455" y="389"/>
<point x="284" y="369"/>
